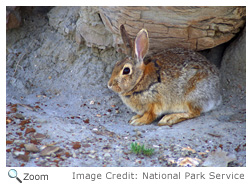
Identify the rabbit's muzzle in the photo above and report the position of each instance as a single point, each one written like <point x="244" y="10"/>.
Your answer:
<point x="113" y="85"/>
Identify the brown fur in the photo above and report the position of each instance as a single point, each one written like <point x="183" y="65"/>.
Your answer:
<point x="191" y="84"/>
<point x="148" y="69"/>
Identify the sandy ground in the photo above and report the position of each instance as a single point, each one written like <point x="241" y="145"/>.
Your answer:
<point x="57" y="99"/>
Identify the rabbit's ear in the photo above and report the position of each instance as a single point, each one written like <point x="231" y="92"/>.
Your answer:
<point x="141" y="44"/>
<point x="127" y="41"/>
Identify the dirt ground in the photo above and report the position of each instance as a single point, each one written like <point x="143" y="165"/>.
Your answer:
<point x="57" y="99"/>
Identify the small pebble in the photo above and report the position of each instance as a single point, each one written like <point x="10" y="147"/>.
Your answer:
<point x="107" y="156"/>
<point x="91" y="156"/>
<point x="138" y="133"/>
<point x="31" y="147"/>
<point x="17" y="153"/>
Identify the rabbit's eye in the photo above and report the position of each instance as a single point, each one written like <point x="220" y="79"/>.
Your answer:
<point x="126" y="71"/>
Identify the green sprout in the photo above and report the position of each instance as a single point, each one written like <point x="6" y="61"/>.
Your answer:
<point x="140" y="149"/>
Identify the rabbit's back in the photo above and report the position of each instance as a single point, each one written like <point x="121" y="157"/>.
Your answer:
<point x="186" y="75"/>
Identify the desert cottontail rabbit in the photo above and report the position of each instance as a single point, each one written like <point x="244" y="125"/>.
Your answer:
<point x="177" y="81"/>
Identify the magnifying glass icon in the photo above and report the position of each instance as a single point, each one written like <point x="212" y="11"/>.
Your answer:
<point x="13" y="174"/>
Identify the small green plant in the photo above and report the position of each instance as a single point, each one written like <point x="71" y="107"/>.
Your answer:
<point x="140" y="149"/>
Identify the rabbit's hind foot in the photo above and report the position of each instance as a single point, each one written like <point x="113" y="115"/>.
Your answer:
<point x="174" y="118"/>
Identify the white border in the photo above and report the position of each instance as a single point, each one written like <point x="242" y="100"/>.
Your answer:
<point x="64" y="174"/>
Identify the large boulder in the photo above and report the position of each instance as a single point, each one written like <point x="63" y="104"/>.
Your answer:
<point x="197" y="28"/>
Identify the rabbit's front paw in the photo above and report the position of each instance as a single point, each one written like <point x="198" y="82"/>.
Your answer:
<point x="145" y="119"/>
<point x="134" y="118"/>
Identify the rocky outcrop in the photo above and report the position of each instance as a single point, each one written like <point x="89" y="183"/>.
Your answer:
<point x="63" y="19"/>
<point x="197" y="28"/>
<point x="91" y="28"/>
